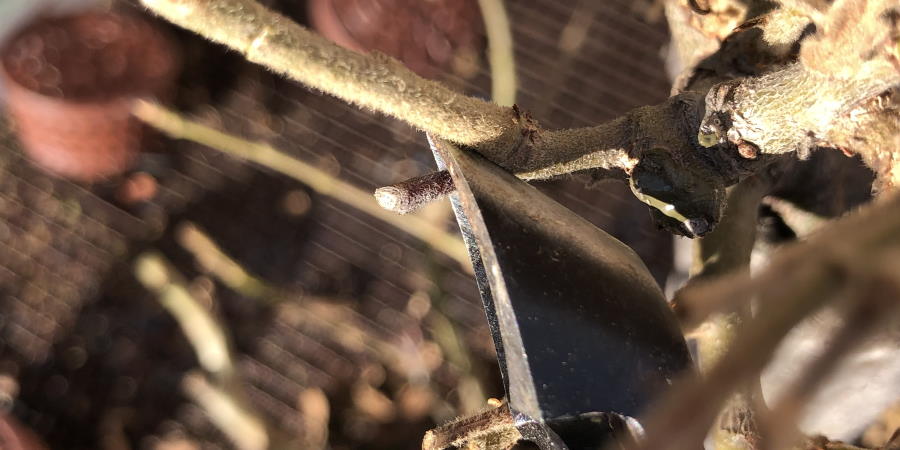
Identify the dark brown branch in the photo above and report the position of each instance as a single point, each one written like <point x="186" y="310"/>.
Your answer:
<point x="728" y="249"/>
<point x="410" y="195"/>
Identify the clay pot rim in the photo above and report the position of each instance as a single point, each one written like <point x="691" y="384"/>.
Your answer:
<point x="165" y="41"/>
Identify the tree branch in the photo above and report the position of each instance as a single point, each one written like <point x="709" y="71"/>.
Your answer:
<point x="373" y="81"/>
<point x="657" y="146"/>
<point x="728" y="249"/>
<point x="377" y="82"/>
<point x="853" y="57"/>
<point x="506" y="136"/>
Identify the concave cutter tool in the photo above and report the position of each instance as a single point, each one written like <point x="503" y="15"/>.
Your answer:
<point x="585" y="340"/>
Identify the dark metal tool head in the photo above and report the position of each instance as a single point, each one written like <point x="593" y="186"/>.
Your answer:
<point x="584" y="337"/>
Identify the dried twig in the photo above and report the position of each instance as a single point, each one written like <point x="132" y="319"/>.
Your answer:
<point x="236" y="421"/>
<point x="224" y="402"/>
<point x="201" y="329"/>
<point x="210" y="256"/>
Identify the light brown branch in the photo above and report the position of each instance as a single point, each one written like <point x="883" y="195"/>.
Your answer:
<point x="377" y="82"/>
<point x="506" y="136"/>
<point x="225" y="401"/>
<point x="373" y="81"/>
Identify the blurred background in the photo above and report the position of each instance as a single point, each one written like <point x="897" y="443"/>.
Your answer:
<point x="352" y="333"/>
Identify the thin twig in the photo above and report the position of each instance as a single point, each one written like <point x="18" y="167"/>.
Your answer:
<point x="224" y="402"/>
<point x="215" y="261"/>
<point x="241" y="426"/>
<point x="201" y="329"/>
<point x="322" y="182"/>
<point x="500" y="52"/>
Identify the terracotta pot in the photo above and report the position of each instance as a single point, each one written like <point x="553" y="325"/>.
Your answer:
<point x="14" y="436"/>
<point x="424" y="35"/>
<point x="70" y="85"/>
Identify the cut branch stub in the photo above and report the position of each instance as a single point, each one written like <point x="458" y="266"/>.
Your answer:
<point x="410" y="195"/>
